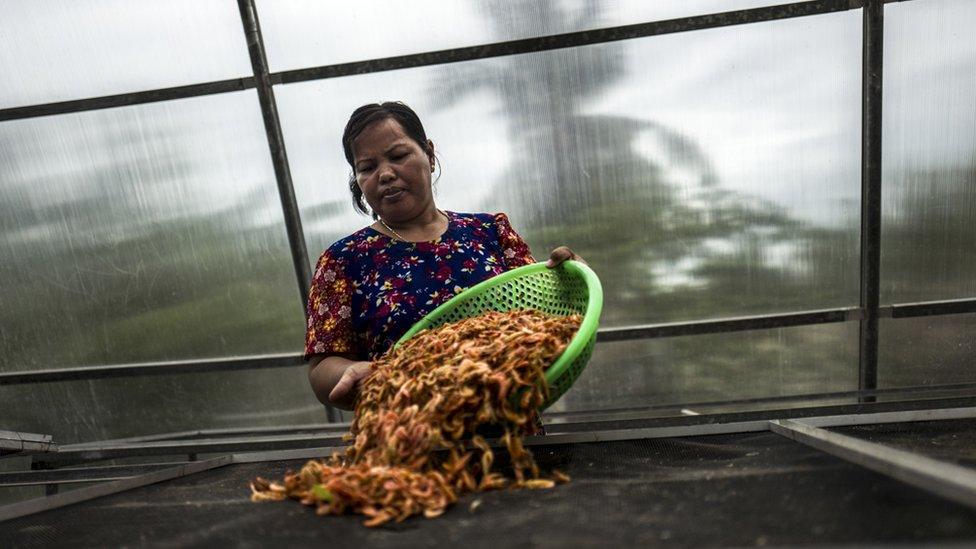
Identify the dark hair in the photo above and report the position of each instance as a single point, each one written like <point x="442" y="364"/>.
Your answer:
<point x="367" y="115"/>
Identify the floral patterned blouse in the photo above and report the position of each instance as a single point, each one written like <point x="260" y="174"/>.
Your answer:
<point x="368" y="289"/>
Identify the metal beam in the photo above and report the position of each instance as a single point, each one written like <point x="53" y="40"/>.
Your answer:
<point x="931" y="308"/>
<point x="870" y="261"/>
<point x="715" y="406"/>
<point x="609" y="426"/>
<point x="212" y="433"/>
<point x="946" y="479"/>
<point x="87" y="452"/>
<point x="566" y="40"/>
<point x="604" y="335"/>
<point x="897" y="416"/>
<point x="279" y="157"/>
<point x="514" y="47"/>
<point x="276" y="143"/>
<point x="12" y="441"/>
<point x="47" y="503"/>
<point x="735" y="324"/>
<point x="126" y="99"/>
<point x="80" y="474"/>
<point x="961" y="491"/>
<point x="153" y="368"/>
<point x="902" y="407"/>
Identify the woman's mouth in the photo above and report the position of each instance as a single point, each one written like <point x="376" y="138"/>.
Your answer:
<point x="393" y="195"/>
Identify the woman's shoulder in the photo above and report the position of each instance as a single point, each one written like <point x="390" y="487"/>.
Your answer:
<point x="479" y="219"/>
<point x="348" y="247"/>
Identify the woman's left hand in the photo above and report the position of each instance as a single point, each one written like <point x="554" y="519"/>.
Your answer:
<point x="561" y="254"/>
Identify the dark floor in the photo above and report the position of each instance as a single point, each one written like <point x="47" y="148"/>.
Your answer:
<point x="730" y="490"/>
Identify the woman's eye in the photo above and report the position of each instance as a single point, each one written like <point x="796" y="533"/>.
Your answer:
<point x="365" y="169"/>
<point x="399" y="156"/>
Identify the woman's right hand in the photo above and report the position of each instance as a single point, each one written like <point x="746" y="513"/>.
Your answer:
<point x="335" y="379"/>
<point x="347" y="388"/>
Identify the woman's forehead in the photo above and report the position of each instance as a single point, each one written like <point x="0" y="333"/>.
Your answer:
<point x="379" y="137"/>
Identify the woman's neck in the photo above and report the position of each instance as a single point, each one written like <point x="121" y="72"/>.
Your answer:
<point x="429" y="225"/>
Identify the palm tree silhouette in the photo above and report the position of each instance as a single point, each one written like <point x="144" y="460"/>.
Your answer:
<point x="664" y="251"/>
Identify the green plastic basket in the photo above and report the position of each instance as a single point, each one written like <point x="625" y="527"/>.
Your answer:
<point x="572" y="287"/>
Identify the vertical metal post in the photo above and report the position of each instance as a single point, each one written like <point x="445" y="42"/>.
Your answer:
<point x="279" y="158"/>
<point x="873" y="45"/>
<point x="276" y="142"/>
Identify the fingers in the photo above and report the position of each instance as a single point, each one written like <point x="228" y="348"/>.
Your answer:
<point x="559" y="255"/>
<point x="348" y="381"/>
<point x="342" y="388"/>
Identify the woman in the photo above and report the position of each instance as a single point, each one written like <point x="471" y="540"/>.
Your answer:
<point x="370" y="287"/>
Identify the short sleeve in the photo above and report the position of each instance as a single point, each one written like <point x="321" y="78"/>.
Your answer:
<point x="329" y="313"/>
<point x="515" y="251"/>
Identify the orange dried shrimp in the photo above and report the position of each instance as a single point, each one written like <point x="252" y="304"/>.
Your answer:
<point x="415" y="447"/>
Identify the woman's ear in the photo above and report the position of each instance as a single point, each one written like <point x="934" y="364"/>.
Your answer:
<point x="430" y="154"/>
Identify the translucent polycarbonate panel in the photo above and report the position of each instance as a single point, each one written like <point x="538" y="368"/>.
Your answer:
<point x="703" y="174"/>
<point x="718" y="367"/>
<point x="305" y="33"/>
<point x="83" y="411"/>
<point x="933" y="350"/>
<point x="141" y="234"/>
<point x="929" y="159"/>
<point x="57" y="50"/>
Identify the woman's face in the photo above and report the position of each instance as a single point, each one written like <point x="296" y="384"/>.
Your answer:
<point x="393" y="171"/>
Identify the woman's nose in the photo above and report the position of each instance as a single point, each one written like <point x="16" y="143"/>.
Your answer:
<point x="386" y="174"/>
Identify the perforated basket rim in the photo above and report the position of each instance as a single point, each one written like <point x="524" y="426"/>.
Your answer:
<point x="586" y="331"/>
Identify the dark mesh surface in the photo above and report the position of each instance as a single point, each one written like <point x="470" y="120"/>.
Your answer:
<point x="947" y="440"/>
<point x="730" y="490"/>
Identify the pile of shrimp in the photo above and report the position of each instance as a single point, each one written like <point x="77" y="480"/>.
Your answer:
<point x="415" y="446"/>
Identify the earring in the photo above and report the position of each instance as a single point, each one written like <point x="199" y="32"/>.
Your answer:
<point x="431" y="168"/>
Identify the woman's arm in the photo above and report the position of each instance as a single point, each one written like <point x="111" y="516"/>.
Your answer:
<point x="335" y="379"/>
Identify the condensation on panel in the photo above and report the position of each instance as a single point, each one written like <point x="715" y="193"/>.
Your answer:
<point x="84" y="411"/>
<point x="929" y="159"/>
<point x="58" y="50"/>
<point x="305" y="33"/>
<point x="804" y="360"/>
<point x="143" y="234"/>
<point x="924" y="351"/>
<point x="702" y="175"/>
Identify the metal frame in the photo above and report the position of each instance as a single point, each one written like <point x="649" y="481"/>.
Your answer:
<point x="562" y="430"/>
<point x="12" y="442"/>
<point x="47" y="503"/>
<point x="867" y="313"/>
<point x="604" y="335"/>
<point x="944" y="479"/>
<point x="871" y="67"/>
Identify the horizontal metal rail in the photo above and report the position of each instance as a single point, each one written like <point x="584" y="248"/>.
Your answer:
<point x="715" y="406"/>
<point x="605" y="335"/>
<point x="153" y="368"/>
<point x="213" y="433"/>
<point x="566" y="40"/>
<point x="81" y="453"/>
<point x="47" y="503"/>
<point x="81" y="474"/>
<point x="127" y="99"/>
<point x="12" y="441"/>
<point x="613" y="422"/>
<point x="736" y="324"/>
<point x="700" y="429"/>
<point x="512" y="47"/>
<point x="930" y="308"/>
